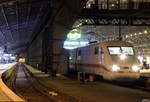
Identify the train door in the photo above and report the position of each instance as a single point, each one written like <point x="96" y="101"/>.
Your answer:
<point x="96" y="54"/>
<point x="102" y="55"/>
<point x="72" y="60"/>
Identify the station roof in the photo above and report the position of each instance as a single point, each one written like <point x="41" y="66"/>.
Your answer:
<point x="99" y="28"/>
<point x="18" y="22"/>
<point x="20" y="19"/>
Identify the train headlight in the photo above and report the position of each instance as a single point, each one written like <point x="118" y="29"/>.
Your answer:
<point x="115" y="68"/>
<point x="135" y="68"/>
<point x="123" y="56"/>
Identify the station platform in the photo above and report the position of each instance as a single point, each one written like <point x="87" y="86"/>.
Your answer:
<point x="4" y="67"/>
<point x="90" y="91"/>
<point x="6" y="95"/>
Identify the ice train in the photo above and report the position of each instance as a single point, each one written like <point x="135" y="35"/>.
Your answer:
<point x="113" y="60"/>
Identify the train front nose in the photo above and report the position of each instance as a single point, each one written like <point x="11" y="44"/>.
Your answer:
<point x="119" y="68"/>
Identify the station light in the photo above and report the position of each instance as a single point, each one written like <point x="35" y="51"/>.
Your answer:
<point x="6" y="55"/>
<point x="84" y="43"/>
<point x="140" y="33"/>
<point x="13" y="57"/>
<point x="70" y="58"/>
<point x="115" y="68"/>
<point x="71" y="43"/>
<point x="69" y="47"/>
<point x="113" y="5"/>
<point x="89" y="5"/>
<point x="86" y="20"/>
<point x="135" y="34"/>
<point x="140" y="58"/>
<point x="145" y="32"/>
<point x="135" y="68"/>
<point x="148" y="60"/>
<point x="21" y="60"/>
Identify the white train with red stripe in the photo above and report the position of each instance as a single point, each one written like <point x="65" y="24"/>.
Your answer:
<point x="110" y="59"/>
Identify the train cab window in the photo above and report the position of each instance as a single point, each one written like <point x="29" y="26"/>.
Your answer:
<point x="114" y="50"/>
<point x="127" y="50"/>
<point x="120" y="50"/>
<point x="96" y="50"/>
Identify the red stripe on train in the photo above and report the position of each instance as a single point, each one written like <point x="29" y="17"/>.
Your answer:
<point x="99" y="66"/>
<point x="94" y="66"/>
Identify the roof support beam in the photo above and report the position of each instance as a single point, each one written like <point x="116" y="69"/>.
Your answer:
<point x="6" y="20"/>
<point x="116" y="17"/>
<point x="17" y="17"/>
<point x="36" y="21"/>
<point x="28" y="17"/>
<point x="3" y="37"/>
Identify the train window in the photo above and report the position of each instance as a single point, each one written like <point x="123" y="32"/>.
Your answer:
<point x="120" y="50"/>
<point x="96" y="51"/>
<point x="79" y="53"/>
<point x="127" y="50"/>
<point x="101" y="51"/>
<point x="114" y="50"/>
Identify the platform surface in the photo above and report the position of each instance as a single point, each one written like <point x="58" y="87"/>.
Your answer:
<point x="91" y="92"/>
<point x="4" y="67"/>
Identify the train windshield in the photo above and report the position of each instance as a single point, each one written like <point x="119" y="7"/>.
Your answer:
<point x="120" y="50"/>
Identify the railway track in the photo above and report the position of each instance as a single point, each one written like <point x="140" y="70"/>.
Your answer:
<point x="26" y="87"/>
<point x="25" y="80"/>
<point x="22" y="73"/>
<point x="62" y="97"/>
<point x="39" y="88"/>
<point x="13" y="83"/>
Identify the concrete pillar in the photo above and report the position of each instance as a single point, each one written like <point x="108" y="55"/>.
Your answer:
<point x="62" y="14"/>
<point x="47" y="46"/>
<point x="60" y="55"/>
<point x="27" y="56"/>
<point x="55" y="57"/>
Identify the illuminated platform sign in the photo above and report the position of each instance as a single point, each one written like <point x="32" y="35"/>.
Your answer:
<point x="74" y="40"/>
<point x="68" y="44"/>
<point x="74" y="34"/>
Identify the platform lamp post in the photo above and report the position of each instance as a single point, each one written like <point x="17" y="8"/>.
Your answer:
<point x="72" y="36"/>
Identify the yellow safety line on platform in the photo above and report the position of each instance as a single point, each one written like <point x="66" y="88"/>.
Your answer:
<point x="53" y="93"/>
